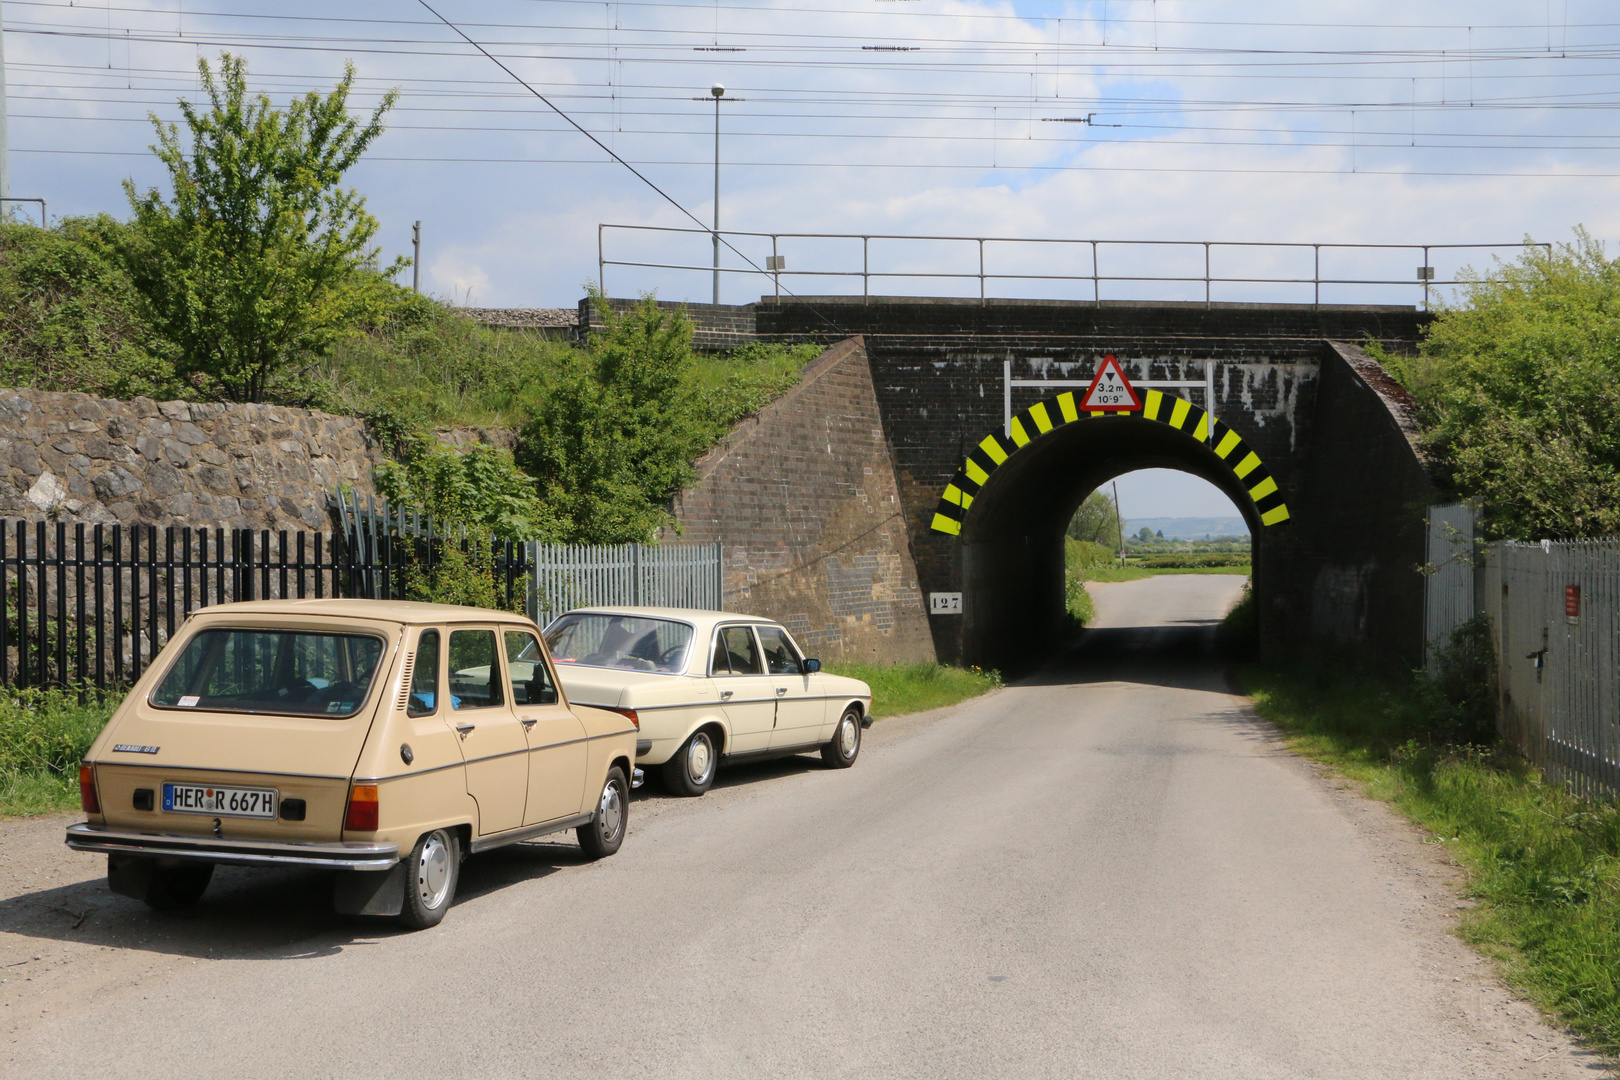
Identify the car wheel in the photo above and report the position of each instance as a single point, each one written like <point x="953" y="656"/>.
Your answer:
<point x="691" y="771"/>
<point x="846" y="741"/>
<point x="603" y="836"/>
<point x="176" y="887"/>
<point x="431" y="871"/>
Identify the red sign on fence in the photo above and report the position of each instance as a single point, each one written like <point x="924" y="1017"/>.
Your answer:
<point x="1572" y="603"/>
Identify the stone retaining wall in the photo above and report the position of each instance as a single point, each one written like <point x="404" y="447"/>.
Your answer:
<point x="92" y="459"/>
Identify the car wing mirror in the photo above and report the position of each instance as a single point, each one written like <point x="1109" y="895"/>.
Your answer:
<point x="811" y="665"/>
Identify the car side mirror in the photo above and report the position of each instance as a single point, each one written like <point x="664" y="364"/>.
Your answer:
<point x="811" y="665"/>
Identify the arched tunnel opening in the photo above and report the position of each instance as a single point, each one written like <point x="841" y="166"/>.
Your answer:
<point x="1011" y="543"/>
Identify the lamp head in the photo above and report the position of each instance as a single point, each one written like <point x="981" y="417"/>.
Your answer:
<point x="718" y="90"/>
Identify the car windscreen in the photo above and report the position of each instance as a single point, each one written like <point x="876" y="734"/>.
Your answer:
<point x="283" y="672"/>
<point x="620" y="641"/>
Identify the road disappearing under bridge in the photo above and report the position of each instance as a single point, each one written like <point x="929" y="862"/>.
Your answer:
<point x="1111" y="869"/>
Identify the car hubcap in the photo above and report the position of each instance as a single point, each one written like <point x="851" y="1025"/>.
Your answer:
<point x="848" y="737"/>
<point x="698" y="760"/>
<point x="433" y="872"/>
<point x="611" y="812"/>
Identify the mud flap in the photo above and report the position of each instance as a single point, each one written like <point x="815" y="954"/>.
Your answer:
<point x="130" y="876"/>
<point x="370" y="892"/>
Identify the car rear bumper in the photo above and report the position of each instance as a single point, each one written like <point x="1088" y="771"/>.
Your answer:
<point x="334" y="856"/>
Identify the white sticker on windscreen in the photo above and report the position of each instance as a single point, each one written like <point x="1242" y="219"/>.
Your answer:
<point x="189" y="701"/>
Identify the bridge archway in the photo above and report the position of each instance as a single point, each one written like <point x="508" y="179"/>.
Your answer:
<point x="1014" y="493"/>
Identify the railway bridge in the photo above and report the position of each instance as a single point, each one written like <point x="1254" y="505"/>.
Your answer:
<point x="1278" y="405"/>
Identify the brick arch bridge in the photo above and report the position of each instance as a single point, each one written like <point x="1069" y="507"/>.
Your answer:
<point x="909" y="404"/>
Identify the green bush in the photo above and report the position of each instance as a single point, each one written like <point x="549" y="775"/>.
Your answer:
<point x="1520" y="392"/>
<point x="70" y="318"/>
<point x="43" y="736"/>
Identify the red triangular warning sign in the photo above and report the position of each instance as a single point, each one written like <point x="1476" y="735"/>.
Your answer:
<point x="1110" y="390"/>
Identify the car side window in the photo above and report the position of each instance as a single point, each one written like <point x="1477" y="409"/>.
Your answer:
<point x="781" y="658"/>
<point x="526" y="667"/>
<point x="742" y="654"/>
<point x="720" y="665"/>
<point x="475" y="678"/>
<point x="424" y="699"/>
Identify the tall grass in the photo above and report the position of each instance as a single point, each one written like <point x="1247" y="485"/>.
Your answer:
<point x="1543" y="865"/>
<point x="43" y="736"/>
<point x="898" y="689"/>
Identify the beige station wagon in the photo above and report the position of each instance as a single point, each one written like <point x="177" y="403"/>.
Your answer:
<point x="382" y="740"/>
<point x="706" y="687"/>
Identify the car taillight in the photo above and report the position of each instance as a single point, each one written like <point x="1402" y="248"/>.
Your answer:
<point x="87" y="789"/>
<point x="362" y="815"/>
<point x="630" y="715"/>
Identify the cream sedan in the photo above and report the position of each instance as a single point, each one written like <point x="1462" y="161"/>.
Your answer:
<point x="707" y="687"/>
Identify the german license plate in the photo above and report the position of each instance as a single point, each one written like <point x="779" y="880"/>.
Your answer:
<point x="219" y="801"/>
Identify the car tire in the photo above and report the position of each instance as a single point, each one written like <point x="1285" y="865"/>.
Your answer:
<point x="603" y="836"/>
<point x="432" y="870"/>
<point x="691" y="771"/>
<point x="176" y="887"/>
<point x="846" y="741"/>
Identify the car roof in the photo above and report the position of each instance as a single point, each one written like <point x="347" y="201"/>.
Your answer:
<point x="692" y="615"/>
<point x="401" y="611"/>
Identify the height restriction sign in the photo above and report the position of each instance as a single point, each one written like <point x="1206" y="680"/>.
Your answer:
<point x="1110" y="390"/>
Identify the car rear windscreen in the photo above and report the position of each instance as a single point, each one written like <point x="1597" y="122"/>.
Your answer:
<point x="287" y="672"/>
<point x="620" y="641"/>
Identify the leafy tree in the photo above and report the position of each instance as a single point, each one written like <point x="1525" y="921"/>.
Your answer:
<point x="615" y="436"/>
<point x="1095" y="521"/>
<point x="1520" y="389"/>
<point x="251" y="268"/>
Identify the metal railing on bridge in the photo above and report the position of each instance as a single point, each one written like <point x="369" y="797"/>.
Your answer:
<point x="1134" y="265"/>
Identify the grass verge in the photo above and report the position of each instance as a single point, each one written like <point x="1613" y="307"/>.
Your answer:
<point x="43" y="735"/>
<point x="898" y="689"/>
<point x="1543" y="865"/>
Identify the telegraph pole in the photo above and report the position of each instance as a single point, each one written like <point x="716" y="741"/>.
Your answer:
<point x="416" y="258"/>
<point x="5" y="144"/>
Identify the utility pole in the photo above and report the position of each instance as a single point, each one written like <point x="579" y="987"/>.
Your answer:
<point x="1119" y="526"/>
<point x="416" y="258"/>
<point x="5" y="144"/>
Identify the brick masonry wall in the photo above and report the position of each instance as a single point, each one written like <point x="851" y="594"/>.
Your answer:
<point x="714" y="326"/>
<point x="804" y="497"/>
<point x="1348" y="586"/>
<point x="91" y="459"/>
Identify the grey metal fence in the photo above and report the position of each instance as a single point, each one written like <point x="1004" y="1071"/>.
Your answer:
<point x="1553" y="606"/>
<point x="631" y="575"/>
<point x="1448" y="593"/>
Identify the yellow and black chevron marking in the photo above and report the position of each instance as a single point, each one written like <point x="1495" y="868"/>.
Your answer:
<point x="1044" y="416"/>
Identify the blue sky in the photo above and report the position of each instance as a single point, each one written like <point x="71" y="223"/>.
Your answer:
<point x="1338" y="121"/>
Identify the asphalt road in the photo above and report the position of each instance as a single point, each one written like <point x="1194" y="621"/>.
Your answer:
<point x="1109" y="870"/>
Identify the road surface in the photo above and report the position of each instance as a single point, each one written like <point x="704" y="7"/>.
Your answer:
<point x="1109" y="870"/>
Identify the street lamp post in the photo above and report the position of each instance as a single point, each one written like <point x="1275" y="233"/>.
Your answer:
<point x="718" y="91"/>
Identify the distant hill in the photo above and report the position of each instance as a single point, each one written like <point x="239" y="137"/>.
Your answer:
<point x="1189" y="528"/>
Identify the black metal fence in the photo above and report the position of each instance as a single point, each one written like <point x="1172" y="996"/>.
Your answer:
<point x="91" y="605"/>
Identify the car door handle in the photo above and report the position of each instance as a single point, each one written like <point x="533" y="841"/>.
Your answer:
<point x="725" y="695"/>
<point x="465" y="729"/>
<point x="529" y="722"/>
<point x="780" y="690"/>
